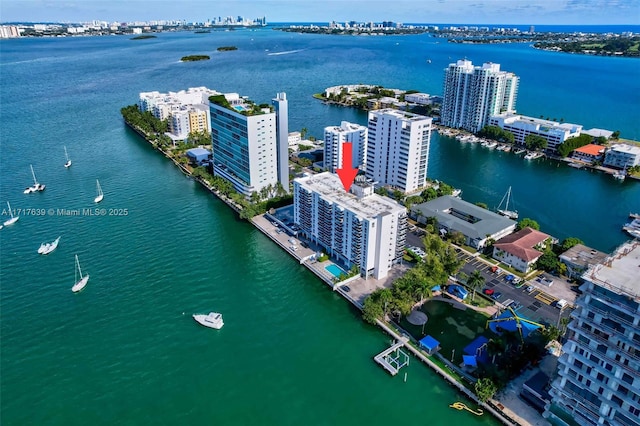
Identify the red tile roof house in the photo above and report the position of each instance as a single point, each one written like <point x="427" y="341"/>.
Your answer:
<point x="520" y="249"/>
<point x="589" y="153"/>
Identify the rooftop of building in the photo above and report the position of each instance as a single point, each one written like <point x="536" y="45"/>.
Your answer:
<point x="403" y="115"/>
<point x="623" y="147"/>
<point x="550" y="124"/>
<point x="329" y="186"/>
<point x="345" y="126"/>
<point x="522" y="243"/>
<point x="619" y="272"/>
<point x="583" y="256"/>
<point x="596" y="133"/>
<point x="459" y="215"/>
<point x="591" y="149"/>
<point x="240" y="104"/>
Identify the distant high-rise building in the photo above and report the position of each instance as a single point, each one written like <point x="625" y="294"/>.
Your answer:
<point x="281" y="106"/>
<point x="359" y="228"/>
<point x="598" y="379"/>
<point x="335" y="136"/>
<point x="244" y="143"/>
<point x="398" y="149"/>
<point x="473" y="94"/>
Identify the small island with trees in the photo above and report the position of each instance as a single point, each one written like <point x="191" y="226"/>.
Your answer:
<point x="143" y="37"/>
<point x="192" y="58"/>
<point x="226" y="48"/>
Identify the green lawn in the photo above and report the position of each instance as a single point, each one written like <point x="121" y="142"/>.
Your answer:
<point x="453" y="328"/>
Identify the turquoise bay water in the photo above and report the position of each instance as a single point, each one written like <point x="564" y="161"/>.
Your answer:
<point x="125" y="350"/>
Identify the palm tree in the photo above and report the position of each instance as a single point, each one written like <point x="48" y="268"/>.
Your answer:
<point x="475" y="281"/>
<point x="421" y="289"/>
<point x="386" y="297"/>
<point x="303" y="132"/>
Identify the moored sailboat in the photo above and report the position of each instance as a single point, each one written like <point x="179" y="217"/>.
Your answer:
<point x="80" y="284"/>
<point x="511" y="214"/>
<point x="100" y="194"/>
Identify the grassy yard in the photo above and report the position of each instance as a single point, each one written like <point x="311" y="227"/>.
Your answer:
<point x="452" y="327"/>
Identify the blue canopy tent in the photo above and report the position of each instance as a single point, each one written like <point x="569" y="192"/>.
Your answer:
<point x="508" y="321"/>
<point x="469" y="360"/>
<point x="429" y="344"/>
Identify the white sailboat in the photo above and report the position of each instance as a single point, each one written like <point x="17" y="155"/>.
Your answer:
<point x="100" y="194"/>
<point x="511" y="214"/>
<point x="50" y="247"/>
<point x="13" y="219"/>
<point x="36" y="186"/>
<point x="68" y="163"/>
<point x="79" y="285"/>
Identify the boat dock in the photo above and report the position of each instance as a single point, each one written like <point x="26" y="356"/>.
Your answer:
<point x="393" y="358"/>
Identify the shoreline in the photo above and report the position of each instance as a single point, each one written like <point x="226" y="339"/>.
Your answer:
<point x="304" y="256"/>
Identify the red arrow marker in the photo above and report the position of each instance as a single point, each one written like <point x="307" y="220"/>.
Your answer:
<point x="347" y="173"/>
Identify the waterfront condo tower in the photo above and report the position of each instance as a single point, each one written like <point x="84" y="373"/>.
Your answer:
<point x="244" y="140"/>
<point x="473" y="94"/>
<point x="335" y="136"/>
<point x="398" y="149"/>
<point x="598" y="379"/>
<point x="360" y="228"/>
<point x="281" y="106"/>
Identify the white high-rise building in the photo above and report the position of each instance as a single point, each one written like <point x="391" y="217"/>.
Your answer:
<point x="245" y="142"/>
<point x="398" y="149"/>
<point x="281" y="106"/>
<point x="335" y="136"/>
<point x="598" y="379"/>
<point x="473" y="94"/>
<point x="359" y="228"/>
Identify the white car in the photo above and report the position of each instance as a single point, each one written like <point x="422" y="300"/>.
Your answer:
<point x="561" y="303"/>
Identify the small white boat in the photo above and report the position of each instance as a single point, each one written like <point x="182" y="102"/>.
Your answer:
<point x="68" y="163"/>
<point x="100" y="194"/>
<point x="50" y="247"/>
<point x="518" y="151"/>
<point x="635" y="233"/>
<point x="43" y="247"/>
<point x="530" y="156"/>
<point x="79" y="285"/>
<point x="213" y="320"/>
<point x="13" y="219"/>
<point x="619" y="175"/>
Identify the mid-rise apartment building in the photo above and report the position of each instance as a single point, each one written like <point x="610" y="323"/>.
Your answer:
<point x="521" y="126"/>
<point x="397" y="152"/>
<point x="622" y="156"/>
<point x="335" y="136"/>
<point x="245" y="142"/>
<point x="598" y="379"/>
<point x="472" y="94"/>
<point x="186" y="111"/>
<point x="359" y="228"/>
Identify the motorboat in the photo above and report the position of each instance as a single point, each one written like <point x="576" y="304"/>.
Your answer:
<point x="212" y="320"/>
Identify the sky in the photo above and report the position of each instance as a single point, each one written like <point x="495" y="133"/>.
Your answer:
<point x="523" y="12"/>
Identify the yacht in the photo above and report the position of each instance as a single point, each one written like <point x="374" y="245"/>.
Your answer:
<point x="213" y="320"/>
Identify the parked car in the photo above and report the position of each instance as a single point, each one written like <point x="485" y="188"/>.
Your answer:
<point x="346" y="288"/>
<point x="488" y="291"/>
<point x="509" y="278"/>
<point x="530" y="289"/>
<point x="496" y="296"/>
<point x="494" y="269"/>
<point x="561" y="303"/>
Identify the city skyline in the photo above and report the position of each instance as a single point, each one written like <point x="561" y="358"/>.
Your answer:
<point x="488" y="12"/>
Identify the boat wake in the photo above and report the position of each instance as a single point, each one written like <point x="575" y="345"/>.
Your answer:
<point x="285" y="53"/>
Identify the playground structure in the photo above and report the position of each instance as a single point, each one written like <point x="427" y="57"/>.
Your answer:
<point x="510" y="321"/>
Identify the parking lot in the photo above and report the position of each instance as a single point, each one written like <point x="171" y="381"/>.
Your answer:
<point x="530" y="299"/>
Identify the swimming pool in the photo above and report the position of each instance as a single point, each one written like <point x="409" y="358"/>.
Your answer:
<point x="334" y="270"/>
<point x="239" y="108"/>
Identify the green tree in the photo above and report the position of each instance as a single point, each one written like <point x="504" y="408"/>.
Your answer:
<point x="474" y="282"/>
<point x="527" y="223"/>
<point x="548" y="261"/>
<point x="371" y="310"/>
<point x="485" y="389"/>
<point x="535" y="142"/>
<point x="569" y="242"/>
<point x="615" y="135"/>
